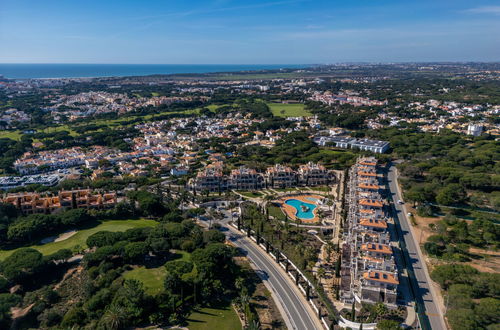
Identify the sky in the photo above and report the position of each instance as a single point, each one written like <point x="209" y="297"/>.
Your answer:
<point x="248" y="31"/>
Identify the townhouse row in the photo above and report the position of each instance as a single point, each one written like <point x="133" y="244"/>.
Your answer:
<point x="35" y="203"/>
<point x="368" y="270"/>
<point x="212" y="178"/>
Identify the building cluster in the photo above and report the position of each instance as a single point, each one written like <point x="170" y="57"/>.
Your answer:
<point x="329" y="98"/>
<point x="35" y="203"/>
<point x="347" y="142"/>
<point x="213" y="179"/>
<point x="11" y="116"/>
<point x="368" y="271"/>
<point x="10" y="182"/>
<point x="92" y="103"/>
<point x="434" y="115"/>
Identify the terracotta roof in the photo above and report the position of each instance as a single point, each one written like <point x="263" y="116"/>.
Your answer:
<point x="371" y="202"/>
<point x="368" y="186"/>
<point x="383" y="277"/>
<point x="373" y="223"/>
<point x="380" y="248"/>
<point x="363" y="173"/>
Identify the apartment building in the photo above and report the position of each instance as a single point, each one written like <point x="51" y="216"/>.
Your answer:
<point x="280" y="176"/>
<point x="347" y="142"/>
<point x="33" y="203"/>
<point x="368" y="271"/>
<point x="211" y="179"/>
<point x="313" y="174"/>
<point x="246" y="179"/>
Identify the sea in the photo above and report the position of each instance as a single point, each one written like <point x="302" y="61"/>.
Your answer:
<point x="30" y="71"/>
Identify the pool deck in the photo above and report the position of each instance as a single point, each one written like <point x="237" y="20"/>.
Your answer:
<point x="290" y="210"/>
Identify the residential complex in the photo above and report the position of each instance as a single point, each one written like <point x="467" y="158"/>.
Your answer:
<point x="212" y="179"/>
<point x="368" y="272"/>
<point x="347" y="142"/>
<point x="32" y="203"/>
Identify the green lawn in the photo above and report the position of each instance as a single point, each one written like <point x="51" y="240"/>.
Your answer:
<point x="152" y="278"/>
<point x="276" y="212"/>
<point x="289" y="110"/>
<point x="224" y="318"/>
<point x="13" y="135"/>
<point x="249" y="194"/>
<point x="80" y="238"/>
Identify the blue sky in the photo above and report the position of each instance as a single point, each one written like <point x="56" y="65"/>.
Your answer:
<point x="248" y="31"/>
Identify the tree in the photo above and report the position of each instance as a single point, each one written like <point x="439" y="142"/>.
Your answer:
<point x="22" y="264"/>
<point x="447" y="275"/>
<point x="488" y="311"/>
<point x="74" y="317"/>
<point x="7" y="301"/>
<point x="388" y="325"/>
<point x="451" y="194"/>
<point x="135" y="251"/>
<point x="103" y="238"/>
<point x="463" y="319"/>
<point x="114" y="317"/>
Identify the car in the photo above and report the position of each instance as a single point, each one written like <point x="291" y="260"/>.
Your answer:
<point x="409" y="214"/>
<point x="400" y="201"/>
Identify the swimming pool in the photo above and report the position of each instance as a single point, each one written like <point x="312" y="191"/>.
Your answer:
<point x="303" y="210"/>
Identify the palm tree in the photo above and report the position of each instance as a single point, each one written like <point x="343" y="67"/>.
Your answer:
<point x="380" y="309"/>
<point x="114" y="318"/>
<point x="254" y="325"/>
<point x="321" y="273"/>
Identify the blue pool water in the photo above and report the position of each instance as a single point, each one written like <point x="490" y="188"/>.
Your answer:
<point x="301" y="214"/>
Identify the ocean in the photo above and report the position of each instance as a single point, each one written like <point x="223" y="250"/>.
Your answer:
<point x="26" y="71"/>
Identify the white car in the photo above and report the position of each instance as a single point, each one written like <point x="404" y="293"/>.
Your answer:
<point x="400" y="201"/>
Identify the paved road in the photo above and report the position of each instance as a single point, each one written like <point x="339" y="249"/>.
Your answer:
<point x="295" y="310"/>
<point x="298" y="312"/>
<point x="425" y="290"/>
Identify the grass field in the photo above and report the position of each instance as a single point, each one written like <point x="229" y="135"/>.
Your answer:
<point x="152" y="278"/>
<point x="223" y="318"/>
<point x="80" y="238"/>
<point x="289" y="110"/>
<point x="13" y="135"/>
<point x="276" y="212"/>
<point x="249" y="194"/>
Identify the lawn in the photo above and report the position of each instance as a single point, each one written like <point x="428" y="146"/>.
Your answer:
<point x="276" y="212"/>
<point x="223" y="318"/>
<point x="249" y="194"/>
<point x="80" y="238"/>
<point x="289" y="110"/>
<point x="152" y="278"/>
<point x="13" y="135"/>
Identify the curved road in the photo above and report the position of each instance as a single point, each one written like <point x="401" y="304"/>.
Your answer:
<point x="423" y="281"/>
<point x="298" y="313"/>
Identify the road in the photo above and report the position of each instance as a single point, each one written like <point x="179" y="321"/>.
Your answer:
<point x="298" y="312"/>
<point x="423" y="281"/>
<point x="294" y="308"/>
